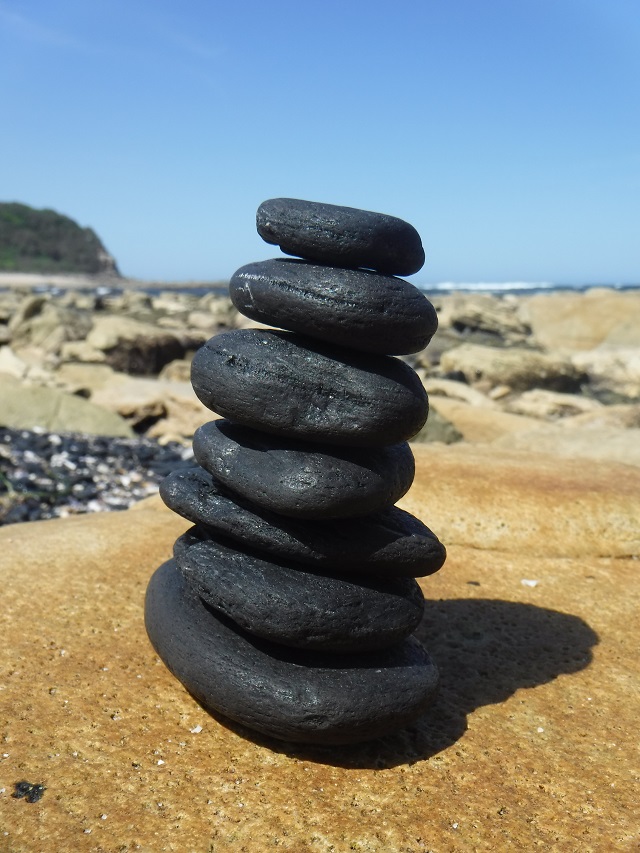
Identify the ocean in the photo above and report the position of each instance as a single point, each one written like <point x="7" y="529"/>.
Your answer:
<point x="518" y="288"/>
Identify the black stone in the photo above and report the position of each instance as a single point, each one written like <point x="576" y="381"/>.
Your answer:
<point x="300" y="479"/>
<point x="390" y="543"/>
<point x="341" y="236"/>
<point x="353" y="308"/>
<point x="304" y="609"/>
<point x="291" y="385"/>
<point x="305" y="696"/>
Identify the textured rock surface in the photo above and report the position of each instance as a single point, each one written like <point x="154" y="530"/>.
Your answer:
<point x="341" y="236"/>
<point x="299" y="608"/>
<point x="604" y="443"/>
<point x="26" y="407"/>
<point x="526" y="502"/>
<point x="485" y="317"/>
<point x="614" y="370"/>
<point x="137" y="347"/>
<point x="438" y="428"/>
<point x="301" y="479"/>
<point x="293" y="386"/>
<point x="390" y="542"/>
<point x="477" y="423"/>
<point x="39" y="322"/>
<point x="163" y="408"/>
<point x="582" y="321"/>
<point x="520" y="369"/>
<point x="531" y="742"/>
<point x="351" y="308"/>
<point x="539" y="403"/>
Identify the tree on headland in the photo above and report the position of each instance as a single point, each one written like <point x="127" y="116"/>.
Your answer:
<point x="44" y="241"/>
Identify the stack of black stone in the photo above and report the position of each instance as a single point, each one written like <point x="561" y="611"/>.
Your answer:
<point x="289" y="606"/>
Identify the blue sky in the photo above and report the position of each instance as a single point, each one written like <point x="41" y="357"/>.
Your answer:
<point x="506" y="131"/>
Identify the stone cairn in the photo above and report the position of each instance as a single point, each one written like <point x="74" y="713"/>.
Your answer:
<point x="289" y="606"/>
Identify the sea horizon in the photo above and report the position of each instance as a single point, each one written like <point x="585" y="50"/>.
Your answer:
<point x="105" y="284"/>
<point x="522" y="288"/>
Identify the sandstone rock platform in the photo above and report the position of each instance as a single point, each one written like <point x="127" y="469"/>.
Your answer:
<point x="530" y="744"/>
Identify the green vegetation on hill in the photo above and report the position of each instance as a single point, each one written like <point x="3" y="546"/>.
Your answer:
<point x="43" y="241"/>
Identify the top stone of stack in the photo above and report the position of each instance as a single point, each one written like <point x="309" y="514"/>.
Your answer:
<point x="341" y="236"/>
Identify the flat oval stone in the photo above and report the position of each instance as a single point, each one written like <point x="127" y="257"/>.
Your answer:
<point x="304" y="480"/>
<point x="291" y="385"/>
<point x="391" y="543"/>
<point x="289" y="694"/>
<point x="353" y="308"/>
<point x="300" y="608"/>
<point x="341" y="236"/>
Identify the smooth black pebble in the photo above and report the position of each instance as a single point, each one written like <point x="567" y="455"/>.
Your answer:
<point x="389" y="543"/>
<point x="301" y="479"/>
<point x="295" y="386"/>
<point x="364" y="310"/>
<point x="304" y="609"/>
<point x="341" y="236"/>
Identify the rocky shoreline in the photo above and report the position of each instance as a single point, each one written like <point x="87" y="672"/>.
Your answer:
<point x="557" y="373"/>
<point x="530" y="739"/>
<point x="54" y="475"/>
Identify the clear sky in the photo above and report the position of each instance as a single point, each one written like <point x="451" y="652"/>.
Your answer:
<point x="506" y="131"/>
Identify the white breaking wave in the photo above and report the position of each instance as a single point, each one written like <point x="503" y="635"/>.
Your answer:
<point x="490" y="286"/>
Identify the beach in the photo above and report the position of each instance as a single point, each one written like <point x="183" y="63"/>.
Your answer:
<point x="556" y="369"/>
<point x="555" y="372"/>
<point x="529" y="472"/>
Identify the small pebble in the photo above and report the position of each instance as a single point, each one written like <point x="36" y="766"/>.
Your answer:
<point x="46" y="475"/>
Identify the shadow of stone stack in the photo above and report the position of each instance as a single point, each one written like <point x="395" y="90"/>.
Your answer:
<point x="289" y="606"/>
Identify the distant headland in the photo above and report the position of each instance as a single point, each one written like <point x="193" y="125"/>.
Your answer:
<point x="46" y="242"/>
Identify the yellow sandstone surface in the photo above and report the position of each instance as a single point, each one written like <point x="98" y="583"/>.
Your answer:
<point x="531" y="744"/>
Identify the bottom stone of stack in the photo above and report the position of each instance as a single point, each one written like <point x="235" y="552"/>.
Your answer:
<point x="289" y="694"/>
